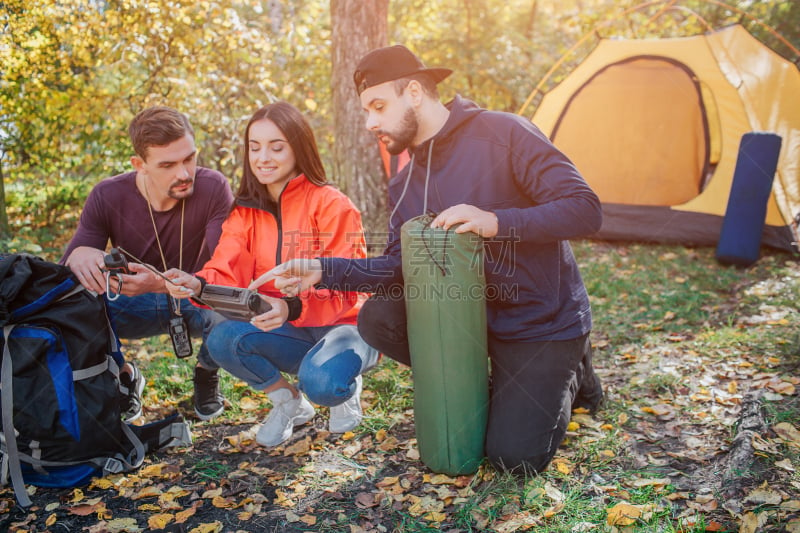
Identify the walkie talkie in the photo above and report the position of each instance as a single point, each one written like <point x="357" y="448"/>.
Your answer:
<point x="179" y="334"/>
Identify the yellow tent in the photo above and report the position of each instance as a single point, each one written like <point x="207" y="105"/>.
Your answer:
<point x="654" y="126"/>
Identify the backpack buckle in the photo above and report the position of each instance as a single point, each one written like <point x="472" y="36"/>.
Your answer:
<point x="113" y="466"/>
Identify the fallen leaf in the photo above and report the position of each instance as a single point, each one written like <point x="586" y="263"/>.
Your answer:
<point x="300" y="447"/>
<point x="788" y="433"/>
<point x="365" y="500"/>
<point x="308" y="519"/>
<point x="120" y="525"/>
<point x="160" y="521"/>
<point x="147" y="492"/>
<point x="763" y="497"/>
<point x="623" y="514"/>
<point x="214" y="527"/>
<point x="222" y="503"/>
<point x="247" y="403"/>
<point x="183" y="516"/>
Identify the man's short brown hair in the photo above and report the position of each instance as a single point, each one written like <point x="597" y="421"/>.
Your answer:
<point x="157" y="126"/>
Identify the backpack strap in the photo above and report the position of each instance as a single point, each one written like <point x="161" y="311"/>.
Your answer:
<point x="7" y="399"/>
<point x="90" y="372"/>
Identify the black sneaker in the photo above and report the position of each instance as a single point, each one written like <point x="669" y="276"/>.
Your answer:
<point x="208" y="400"/>
<point x="131" y="386"/>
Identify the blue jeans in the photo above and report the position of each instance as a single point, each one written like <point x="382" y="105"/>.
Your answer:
<point x="326" y="360"/>
<point x="148" y="315"/>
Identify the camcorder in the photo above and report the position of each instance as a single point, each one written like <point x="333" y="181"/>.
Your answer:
<point x="233" y="302"/>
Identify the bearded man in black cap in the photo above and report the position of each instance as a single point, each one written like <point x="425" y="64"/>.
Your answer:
<point x="497" y="175"/>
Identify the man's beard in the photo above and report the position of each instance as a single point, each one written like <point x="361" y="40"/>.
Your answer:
<point x="404" y="135"/>
<point x="172" y="193"/>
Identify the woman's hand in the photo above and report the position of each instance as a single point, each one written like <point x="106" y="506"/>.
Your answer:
<point x="292" y="277"/>
<point x="183" y="285"/>
<point x="274" y="318"/>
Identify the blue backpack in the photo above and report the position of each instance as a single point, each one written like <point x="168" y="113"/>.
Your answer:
<point x="59" y="386"/>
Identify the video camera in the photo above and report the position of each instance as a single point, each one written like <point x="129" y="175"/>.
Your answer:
<point x="233" y="302"/>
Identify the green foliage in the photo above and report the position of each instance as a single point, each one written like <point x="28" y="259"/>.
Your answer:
<point x="74" y="72"/>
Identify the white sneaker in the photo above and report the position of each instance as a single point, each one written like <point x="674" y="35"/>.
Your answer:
<point x="348" y="415"/>
<point x="287" y="412"/>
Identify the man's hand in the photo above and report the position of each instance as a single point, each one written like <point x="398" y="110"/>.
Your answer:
<point x="274" y="318"/>
<point x="292" y="277"/>
<point x="183" y="285"/>
<point x="484" y="223"/>
<point x="88" y="266"/>
<point x="140" y="281"/>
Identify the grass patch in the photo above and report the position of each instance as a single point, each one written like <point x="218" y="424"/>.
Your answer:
<point x="678" y="341"/>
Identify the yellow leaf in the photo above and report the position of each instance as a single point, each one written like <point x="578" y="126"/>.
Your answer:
<point x="388" y="481"/>
<point x="214" y="527"/>
<point x="151" y="470"/>
<point x="150" y="491"/>
<point x="440" y="479"/>
<point x="149" y="507"/>
<point x="77" y="495"/>
<point x="222" y="503"/>
<point x="562" y="465"/>
<point x="435" y="517"/>
<point x="573" y="426"/>
<point x="623" y="514"/>
<point x="51" y="520"/>
<point x="732" y="387"/>
<point x="101" y="483"/>
<point x="311" y="104"/>
<point x="249" y="404"/>
<point x="308" y="519"/>
<point x="183" y="516"/>
<point x="160" y="521"/>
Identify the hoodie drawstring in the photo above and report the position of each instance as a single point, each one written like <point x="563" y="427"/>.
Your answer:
<point x="408" y="180"/>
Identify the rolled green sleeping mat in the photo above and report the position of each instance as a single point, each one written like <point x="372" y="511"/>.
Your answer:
<point x="446" y="309"/>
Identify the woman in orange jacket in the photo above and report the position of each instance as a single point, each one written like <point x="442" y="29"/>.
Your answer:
<point x="285" y="209"/>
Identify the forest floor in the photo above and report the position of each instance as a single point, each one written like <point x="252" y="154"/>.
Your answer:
<point x="699" y="432"/>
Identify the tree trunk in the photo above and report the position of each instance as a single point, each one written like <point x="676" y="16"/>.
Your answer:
<point x="358" y="27"/>
<point x="5" y="231"/>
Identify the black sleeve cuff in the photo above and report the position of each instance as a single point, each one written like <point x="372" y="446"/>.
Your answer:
<point x="203" y="284"/>
<point x="295" y="307"/>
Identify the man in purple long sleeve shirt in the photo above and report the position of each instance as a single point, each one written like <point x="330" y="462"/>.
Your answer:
<point x="168" y="213"/>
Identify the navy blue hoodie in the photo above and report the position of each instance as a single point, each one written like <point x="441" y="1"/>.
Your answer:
<point x="502" y="163"/>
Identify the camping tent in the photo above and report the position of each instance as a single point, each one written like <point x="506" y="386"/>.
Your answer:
<point x="654" y="125"/>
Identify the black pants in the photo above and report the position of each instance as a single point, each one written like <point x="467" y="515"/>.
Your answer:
<point x="534" y="386"/>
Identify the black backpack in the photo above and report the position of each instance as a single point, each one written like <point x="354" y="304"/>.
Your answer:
<point x="59" y="386"/>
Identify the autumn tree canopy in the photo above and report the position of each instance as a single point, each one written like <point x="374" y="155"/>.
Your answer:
<point x="74" y="72"/>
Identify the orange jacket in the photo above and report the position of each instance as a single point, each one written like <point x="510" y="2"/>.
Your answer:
<point x="312" y="221"/>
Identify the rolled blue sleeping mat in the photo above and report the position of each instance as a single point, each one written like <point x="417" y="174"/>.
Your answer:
<point x="446" y="309"/>
<point x="740" y="236"/>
